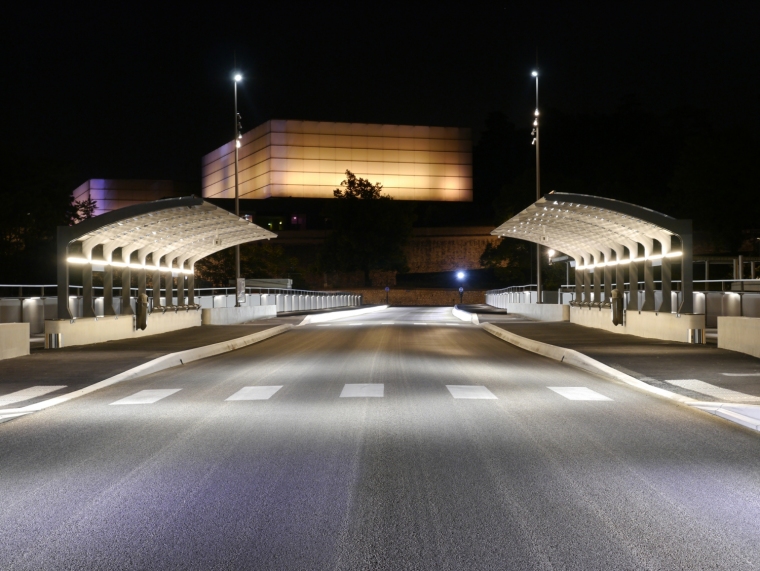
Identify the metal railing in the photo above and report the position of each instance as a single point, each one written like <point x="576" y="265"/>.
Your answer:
<point x="35" y="303"/>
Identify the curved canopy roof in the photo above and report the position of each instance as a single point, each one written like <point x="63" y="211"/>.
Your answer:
<point x="586" y="227"/>
<point x="179" y="230"/>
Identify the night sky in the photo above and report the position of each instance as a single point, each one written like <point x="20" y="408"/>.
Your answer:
<point x="136" y="93"/>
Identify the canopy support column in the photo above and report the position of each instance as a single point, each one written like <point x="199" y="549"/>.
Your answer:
<point x="181" y="289"/>
<point x="156" y="288"/>
<point x="687" y="272"/>
<point x="126" y="283"/>
<point x="87" y="309"/>
<point x="191" y="288"/>
<point x="108" y="291"/>
<point x="633" y="284"/>
<point x="667" y="286"/>
<point x="578" y="283"/>
<point x="169" y="285"/>
<point x="141" y="279"/>
<point x="586" y="286"/>
<point x="63" y="276"/>
<point x="597" y="285"/>
<point x="607" y="281"/>
<point x="648" y="286"/>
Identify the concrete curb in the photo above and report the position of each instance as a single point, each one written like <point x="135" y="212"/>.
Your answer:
<point x="579" y="360"/>
<point x="159" y="364"/>
<point x="465" y="315"/>
<point x="332" y="316"/>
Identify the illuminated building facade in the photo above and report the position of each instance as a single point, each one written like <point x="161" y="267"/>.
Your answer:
<point x="112" y="194"/>
<point x="308" y="159"/>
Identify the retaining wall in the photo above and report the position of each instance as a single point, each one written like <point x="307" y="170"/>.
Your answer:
<point x="739" y="334"/>
<point x="14" y="340"/>
<point x="654" y="325"/>
<point x="87" y="330"/>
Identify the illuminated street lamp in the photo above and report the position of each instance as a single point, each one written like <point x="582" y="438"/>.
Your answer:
<point x="238" y="136"/>
<point x="539" y="287"/>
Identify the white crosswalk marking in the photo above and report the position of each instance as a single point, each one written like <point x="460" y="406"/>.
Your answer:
<point x="29" y="393"/>
<point x="387" y="323"/>
<point x="578" y="393"/>
<point x="324" y="325"/>
<point x="147" y="396"/>
<point x="470" y="392"/>
<point x="714" y="391"/>
<point x="362" y="390"/>
<point x="255" y="393"/>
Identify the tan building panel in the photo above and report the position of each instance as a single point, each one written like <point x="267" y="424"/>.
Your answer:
<point x="309" y="158"/>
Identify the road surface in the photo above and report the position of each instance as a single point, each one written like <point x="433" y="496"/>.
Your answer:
<point x="404" y="439"/>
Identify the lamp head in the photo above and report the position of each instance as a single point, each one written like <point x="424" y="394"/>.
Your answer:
<point x="534" y="74"/>
<point x="238" y="77"/>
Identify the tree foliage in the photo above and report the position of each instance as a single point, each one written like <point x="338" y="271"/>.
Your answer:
<point x="259" y="259"/>
<point x="36" y="197"/>
<point x="369" y="229"/>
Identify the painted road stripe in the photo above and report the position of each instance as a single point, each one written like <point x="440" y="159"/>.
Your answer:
<point x="387" y="323"/>
<point x="714" y="391"/>
<point x="30" y="393"/>
<point x="147" y="397"/>
<point x="741" y="374"/>
<point x="362" y="390"/>
<point x="255" y="393"/>
<point x="324" y="325"/>
<point x="470" y="392"/>
<point x="578" y="393"/>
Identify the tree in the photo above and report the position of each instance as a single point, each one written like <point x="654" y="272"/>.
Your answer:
<point x="369" y="229"/>
<point x="258" y="259"/>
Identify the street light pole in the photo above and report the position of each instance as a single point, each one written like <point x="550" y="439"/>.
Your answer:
<point x="238" y="134"/>
<point x="539" y="287"/>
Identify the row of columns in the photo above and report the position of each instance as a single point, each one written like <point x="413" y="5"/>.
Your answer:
<point x="88" y="299"/>
<point x="584" y="288"/>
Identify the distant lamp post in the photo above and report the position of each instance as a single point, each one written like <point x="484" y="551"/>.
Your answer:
<point x="460" y="276"/>
<point x="238" y="136"/>
<point x="539" y="287"/>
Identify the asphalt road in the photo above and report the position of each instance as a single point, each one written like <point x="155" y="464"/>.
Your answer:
<point x="412" y="479"/>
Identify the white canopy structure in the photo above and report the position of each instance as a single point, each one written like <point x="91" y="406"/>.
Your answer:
<point x="167" y="236"/>
<point x="605" y="233"/>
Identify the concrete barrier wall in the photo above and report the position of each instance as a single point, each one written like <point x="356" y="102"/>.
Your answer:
<point x="14" y="340"/>
<point x="740" y="334"/>
<point x="665" y="326"/>
<point x="85" y="331"/>
<point x="233" y="315"/>
<point x="540" y="312"/>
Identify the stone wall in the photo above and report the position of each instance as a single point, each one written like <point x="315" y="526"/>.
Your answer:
<point x="429" y="297"/>
<point x="429" y="250"/>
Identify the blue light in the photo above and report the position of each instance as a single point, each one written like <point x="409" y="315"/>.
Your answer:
<point x="460" y="275"/>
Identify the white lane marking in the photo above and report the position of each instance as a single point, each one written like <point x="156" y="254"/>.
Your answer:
<point x="362" y="390"/>
<point x="255" y="393"/>
<point x="4" y="417"/>
<point x="387" y="323"/>
<point x="147" y="397"/>
<point x="741" y="374"/>
<point x="30" y="393"/>
<point x="356" y="324"/>
<point x="578" y="393"/>
<point x="470" y="392"/>
<point x="714" y="391"/>
<point x="420" y="323"/>
<point x="324" y="325"/>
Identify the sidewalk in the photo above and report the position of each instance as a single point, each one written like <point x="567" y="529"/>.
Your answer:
<point x="73" y="368"/>
<point x="652" y="361"/>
